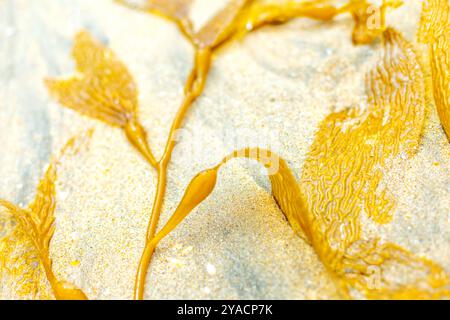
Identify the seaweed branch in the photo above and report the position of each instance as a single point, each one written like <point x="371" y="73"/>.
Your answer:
<point x="236" y="18"/>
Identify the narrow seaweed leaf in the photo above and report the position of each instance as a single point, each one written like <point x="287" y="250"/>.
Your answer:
<point x="260" y="13"/>
<point x="369" y="19"/>
<point x="102" y="88"/>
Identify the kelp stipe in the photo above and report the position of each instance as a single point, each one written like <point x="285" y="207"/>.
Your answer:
<point x="285" y="191"/>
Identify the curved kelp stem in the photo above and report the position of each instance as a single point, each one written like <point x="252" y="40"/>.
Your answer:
<point x="285" y="191"/>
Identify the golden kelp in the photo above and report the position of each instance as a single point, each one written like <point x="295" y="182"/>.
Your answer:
<point x="435" y="31"/>
<point x="369" y="19"/>
<point x="238" y="17"/>
<point x="32" y="236"/>
<point x="102" y="88"/>
<point x="342" y="175"/>
<point x="342" y="178"/>
<point x="19" y="261"/>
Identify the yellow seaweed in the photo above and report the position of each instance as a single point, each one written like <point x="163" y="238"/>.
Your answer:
<point x="341" y="179"/>
<point x="34" y="231"/>
<point x="102" y="88"/>
<point x="18" y="261"/>
<point x="343" y="172"/>
<point x="352" y="147"/>
<point x="237" y="17"/>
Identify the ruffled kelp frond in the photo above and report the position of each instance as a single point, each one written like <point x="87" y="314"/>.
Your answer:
<point x="435" y="31"/>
